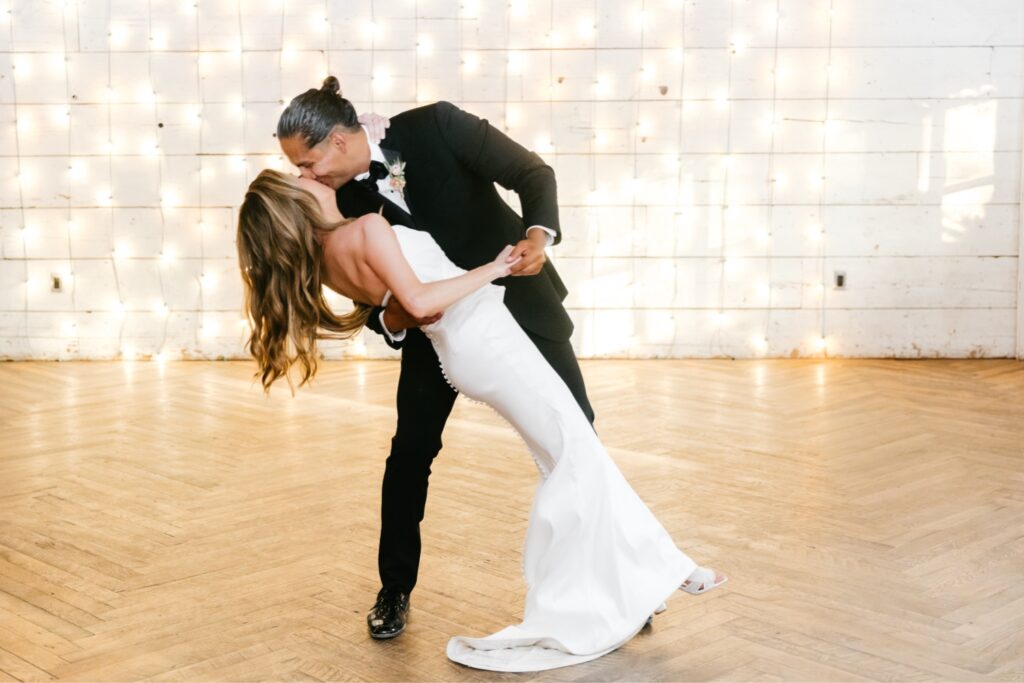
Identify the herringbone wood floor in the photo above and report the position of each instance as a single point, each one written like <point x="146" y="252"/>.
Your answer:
<point x="167" y="522"/>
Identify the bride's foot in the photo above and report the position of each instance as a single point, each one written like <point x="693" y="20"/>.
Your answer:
<point x="702" y="580"/>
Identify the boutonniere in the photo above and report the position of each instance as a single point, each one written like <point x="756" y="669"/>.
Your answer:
<point x="397" y="171"/>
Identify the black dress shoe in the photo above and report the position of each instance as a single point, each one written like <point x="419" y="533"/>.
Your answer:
<point x="387" y="618"/>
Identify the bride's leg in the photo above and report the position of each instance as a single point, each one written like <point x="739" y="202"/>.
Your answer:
<point x="562" y="359"/>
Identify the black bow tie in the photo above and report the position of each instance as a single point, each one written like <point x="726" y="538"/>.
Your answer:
<point x="377" y="171"/>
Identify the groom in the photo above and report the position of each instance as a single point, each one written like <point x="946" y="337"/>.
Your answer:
<point x="435" y="171"/>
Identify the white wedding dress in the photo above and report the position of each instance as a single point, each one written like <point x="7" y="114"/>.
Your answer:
<point x="596" y="561"/>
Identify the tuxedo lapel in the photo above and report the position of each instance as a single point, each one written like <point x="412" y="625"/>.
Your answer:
<point x="356" y="200"/>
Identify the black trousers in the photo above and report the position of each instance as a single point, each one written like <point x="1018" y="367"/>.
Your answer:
<point x="424" y="402"/>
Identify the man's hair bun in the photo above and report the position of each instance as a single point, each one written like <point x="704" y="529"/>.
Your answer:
<point x="331" y="84"/>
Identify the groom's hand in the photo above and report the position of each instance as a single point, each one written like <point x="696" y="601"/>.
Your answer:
<point x="532" y="252"/>
<point x="396" y="318"/>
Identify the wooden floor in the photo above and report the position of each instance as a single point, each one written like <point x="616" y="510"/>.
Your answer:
<point x="167" y="522"/>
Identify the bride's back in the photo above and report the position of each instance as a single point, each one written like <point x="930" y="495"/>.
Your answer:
<point x="345" y="264"/>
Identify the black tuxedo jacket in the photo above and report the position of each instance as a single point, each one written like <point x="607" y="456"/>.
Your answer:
<point x="453" y="159"/>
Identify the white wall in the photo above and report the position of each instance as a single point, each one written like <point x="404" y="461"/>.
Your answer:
<point x="693" y="224"/>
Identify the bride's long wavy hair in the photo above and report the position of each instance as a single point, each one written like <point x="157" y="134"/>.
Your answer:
<point x="281" y="262"/>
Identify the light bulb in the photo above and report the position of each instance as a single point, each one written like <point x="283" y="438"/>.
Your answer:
<point x="382" y="79"/>
<point x="512" y="117"/>
<point x="208" y="280"/>
<point x="22" y="67"/>
<point x="318" y="22"/>
<point x="61" y="117"/>
<point x="515" y="62"/>
<point x="58" y="60"/>
<point x="118" y="34"/>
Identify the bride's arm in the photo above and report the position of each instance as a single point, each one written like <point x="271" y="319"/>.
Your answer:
<point x="421" y="299"/>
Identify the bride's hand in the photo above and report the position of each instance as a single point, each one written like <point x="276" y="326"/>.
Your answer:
<point x="376" y="125"/>
<point x="502" y="265"/>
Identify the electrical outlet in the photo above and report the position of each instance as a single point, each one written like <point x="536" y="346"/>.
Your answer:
<point x="838" y="279"/>
<point x="55" y="283"/>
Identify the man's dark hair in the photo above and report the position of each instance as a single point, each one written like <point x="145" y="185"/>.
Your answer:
<point x="315" y="113"/>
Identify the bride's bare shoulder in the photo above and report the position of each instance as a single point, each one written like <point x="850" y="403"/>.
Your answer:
<point x="358" y="227"/>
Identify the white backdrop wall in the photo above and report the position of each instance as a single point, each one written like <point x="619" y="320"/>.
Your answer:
<point x="718" y="161"/>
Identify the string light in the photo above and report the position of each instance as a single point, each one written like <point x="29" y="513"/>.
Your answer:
<point x="609" y="137"/>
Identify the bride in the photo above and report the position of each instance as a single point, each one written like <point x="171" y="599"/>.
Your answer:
<point x="597" y="563"/>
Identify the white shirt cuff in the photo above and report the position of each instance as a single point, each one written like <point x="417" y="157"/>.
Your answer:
<point x="397" y="336"/>
<point x="549" y="231"/>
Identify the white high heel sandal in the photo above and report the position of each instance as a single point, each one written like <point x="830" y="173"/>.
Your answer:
<point x="701" y="581"/>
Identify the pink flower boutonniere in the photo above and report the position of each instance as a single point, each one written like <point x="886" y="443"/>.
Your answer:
<point x="397" y="179"/>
